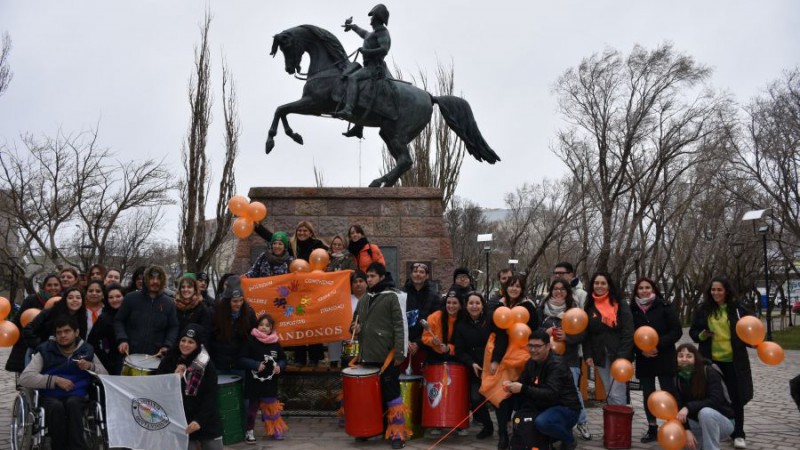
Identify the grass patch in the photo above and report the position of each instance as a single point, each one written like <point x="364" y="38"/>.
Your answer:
<point x="789" y="338"/>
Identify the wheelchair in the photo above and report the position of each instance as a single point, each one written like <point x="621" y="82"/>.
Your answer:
<point x="29" y="429"/>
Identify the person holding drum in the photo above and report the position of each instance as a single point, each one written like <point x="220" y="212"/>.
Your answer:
<point x="233" y="320"/>
<point x="263" y="358"/>
<point x="422" y="300"/>
<point x="102" y="336"/>
<point x="470" y="337"/>
<point x="190" y="305"/>
<point x="381" y="329"/>
<point x="438" y="336"/>
<point x="199" y="388"/>
<point x="146" y="322"/>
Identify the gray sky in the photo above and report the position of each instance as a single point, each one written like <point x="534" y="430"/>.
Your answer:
<point x="126" y="66"/>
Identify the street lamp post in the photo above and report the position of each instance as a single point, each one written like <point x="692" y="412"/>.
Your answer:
<point x="762" y="214"/>
<point x="487" y="248"/>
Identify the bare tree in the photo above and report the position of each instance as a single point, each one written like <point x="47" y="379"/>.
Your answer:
<point x="6" y="75"/>
<point x="465" y="221"/>
<point x="200" y="238"/>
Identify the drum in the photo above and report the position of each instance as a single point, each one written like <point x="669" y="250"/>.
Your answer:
<point x="350" y="349"/>
<point x="446" y="397"/>
<point x="363" y="410"/>
<point x="230" y="408"/>
<point x="138" y="365"/>
<point x="411" y="393"/>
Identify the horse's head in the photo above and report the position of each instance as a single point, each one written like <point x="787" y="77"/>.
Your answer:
<point x="292" y="51"/>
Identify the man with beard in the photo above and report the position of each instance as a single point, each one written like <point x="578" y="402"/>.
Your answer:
<point x="422" y="300"/>
<point x="147" y="323"/>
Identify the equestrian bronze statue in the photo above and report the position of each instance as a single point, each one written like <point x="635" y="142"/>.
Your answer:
<point x="367" y="96"/>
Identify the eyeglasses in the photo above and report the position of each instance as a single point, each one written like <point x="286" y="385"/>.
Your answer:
<point x="555" y="272"/>
<point x="536" y="346"/>
<point x="419" y="265"/>
<point x="558" y="289"/>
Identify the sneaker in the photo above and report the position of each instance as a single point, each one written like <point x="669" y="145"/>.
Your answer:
<point x="650" y="436"/>
<point x="739" y="443"/>
<point x="462" y="432"/>
<point x="398" y="443"/>
<point x="277" y="436"/>
<point x="249" y="437"/>
<point x="583" y="431"/>
<point x="434" y="432"/>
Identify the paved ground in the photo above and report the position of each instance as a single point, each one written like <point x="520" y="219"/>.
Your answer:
<point x="772" y="420"/>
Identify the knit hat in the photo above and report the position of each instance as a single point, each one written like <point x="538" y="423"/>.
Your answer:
<point x="233" y="287"/>
<point x="156" y="272"/>
<point x="190" y="275"/>
<point x="280" y="236"/>
<point x="194" y="331"/>
<point x="461" y="271"/>
<point x="202" y="276"/>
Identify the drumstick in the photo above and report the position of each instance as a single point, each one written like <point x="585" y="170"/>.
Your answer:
<point x="355" y="324"/>
<point x="149" y="356"/>
<point x="427" y="328"/>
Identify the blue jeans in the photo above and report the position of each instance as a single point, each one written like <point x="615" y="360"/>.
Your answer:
<point x="710" y="428"/>
<point x="557" y="422"/>
<point x="617" y="393"/>
<point x="576" y="375"/>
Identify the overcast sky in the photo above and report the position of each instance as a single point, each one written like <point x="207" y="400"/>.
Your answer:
<point x="126" y="66"/>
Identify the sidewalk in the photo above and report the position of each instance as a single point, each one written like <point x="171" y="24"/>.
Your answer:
<point x="772" y="420"/>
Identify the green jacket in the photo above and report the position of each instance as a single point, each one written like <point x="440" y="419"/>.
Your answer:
<point x="382" y="326"/>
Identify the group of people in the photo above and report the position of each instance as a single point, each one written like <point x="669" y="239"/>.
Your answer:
<point x="97" y="324"/>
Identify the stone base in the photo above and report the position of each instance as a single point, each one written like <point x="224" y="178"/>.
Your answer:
<point x="406" y="223"/>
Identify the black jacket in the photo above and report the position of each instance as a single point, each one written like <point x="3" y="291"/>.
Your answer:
<point x="40" y="328"/>
<point x="741" y="360"/>
<point x="470" y="337"/>
<point x="16" y="359"/>
<point x="419" y="305"/>
<point x="663" y="318"/>
<point x="200" y="408"/>
<point x="200" y="314"/>
<point x="714" y="398"/>
<point x="104" y="341"/>
<point x="225" y="353"/>
<point x="547" y="384"/>
<point x="251" y="356"/>
<point x="602" y="340"/>
<point x="573" y="342"/>
<point x="146" y="323"/>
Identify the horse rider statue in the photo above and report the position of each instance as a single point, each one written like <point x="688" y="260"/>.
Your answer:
<point x="376" y="47"/>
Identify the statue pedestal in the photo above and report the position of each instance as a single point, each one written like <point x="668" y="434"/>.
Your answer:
<point x="406" y="223"/>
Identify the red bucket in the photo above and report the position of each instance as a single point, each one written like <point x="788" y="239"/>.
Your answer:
<point x="617" y="424"/>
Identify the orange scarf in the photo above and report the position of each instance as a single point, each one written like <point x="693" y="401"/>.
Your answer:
<point x="608" y="312"/>
<point x="95" y="313"/>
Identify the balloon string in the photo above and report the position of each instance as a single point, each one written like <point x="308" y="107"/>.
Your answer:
<point x="465" y="418"/>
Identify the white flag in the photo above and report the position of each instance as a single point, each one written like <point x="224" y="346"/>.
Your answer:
<point x="145" y="413"/>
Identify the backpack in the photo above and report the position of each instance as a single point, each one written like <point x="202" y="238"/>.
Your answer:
<point x="724" y="385"/>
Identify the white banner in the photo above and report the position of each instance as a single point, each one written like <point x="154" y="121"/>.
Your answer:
<point x="145" y="413"/>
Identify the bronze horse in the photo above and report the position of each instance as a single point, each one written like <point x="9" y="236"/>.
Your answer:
<point x="414" y="107"/>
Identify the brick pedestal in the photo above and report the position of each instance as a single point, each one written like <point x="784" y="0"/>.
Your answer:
<point x="406" y="223"/>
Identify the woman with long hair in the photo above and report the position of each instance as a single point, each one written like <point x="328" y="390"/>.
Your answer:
<point x="41" y="328"/>
<point x="609" y="334"/>
<point x="137" y="280"/>
<point x="48" y="288"/>
<point x="189" y="304"/>
<point x="550" y="315"/>
<point x="442" y="323"/>
<point x="363" y="252"/>
<point x="102" y="336"/>
<point x="304" y="241"/>
<point x="233" y="320"/>
<point x="650" y="309"/>
<point x="702" y="399"/>
<point x="95" y="302"/>
<point x="714" y="329"/>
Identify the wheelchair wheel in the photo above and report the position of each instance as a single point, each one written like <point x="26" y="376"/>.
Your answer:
<point x="22" y="419"/>
<point x="94" y="428"/>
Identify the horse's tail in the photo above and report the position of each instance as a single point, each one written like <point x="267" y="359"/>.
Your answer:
<point x="458" y="116"/>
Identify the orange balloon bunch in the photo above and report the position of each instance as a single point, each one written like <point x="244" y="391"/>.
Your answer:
<point x="671" y="435"/>
<point x="248" y="213"/>
<point x="515" y="320"/>
<point x="646" y="338"/>
<point x="9" y="333"/>
<point x="751" y="331"/>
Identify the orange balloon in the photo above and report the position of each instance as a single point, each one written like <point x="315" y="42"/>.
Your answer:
<point x="558" y="346"/>
<point x="5" y="308"/>
<point x="319" y="259"/>
<point x="518" y="334"/>
<point x="29" y="315"/>
<point x="520" y="315"/>
<point x="646" y="338"/>
<point x="257" y="211"/>
<point x="622" y="370"/>
<point x="51" y="302"/>
<point x="750" y="330"/>
<point x="243" y="227"/>
<point x="574" y="321"/>
<point x="9" y="334"/>
<point x="770" y="353"/>
<point x="238" y="205"/>
<point x="299" y="266"/>
<point x="663" y="405"/>
<point x="672" y="435"/>
<point x="502" y="317"/>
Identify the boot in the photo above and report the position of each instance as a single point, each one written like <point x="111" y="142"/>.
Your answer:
<point x="486" y="431"/>
<point x="502" y="442"/>
<point x="355" y="131"/>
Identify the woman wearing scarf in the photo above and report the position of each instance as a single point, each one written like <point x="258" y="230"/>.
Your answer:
<point x="650" y="309"/>
<point x="304" y="241"/>
<point x="275" y="260"/>
<point x="341" y="259"/>
<point x="363" y="252"/>
<point x="95" y="302"/>
<point x="102" y="337"/>
<point x="233" y="320"/>
<point x="549" y="315"/>
<point x="609" y="333"/>
<point x="49" y="287"/>
<point x="189" y="304"/>
<point x="703" y="404"/>
<point x="199" y="388"/>
<point x="714" y="328"/>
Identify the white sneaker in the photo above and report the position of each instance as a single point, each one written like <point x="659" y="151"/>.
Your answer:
<point x="739" y="443"/>
<point x="462" y="432"/>
<point x="434" y="432"/>
<point x="583" y="431"/>
<point x="249" y="437"/>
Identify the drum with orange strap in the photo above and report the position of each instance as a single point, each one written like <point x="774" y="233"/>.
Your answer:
<point x="446" y="396"/>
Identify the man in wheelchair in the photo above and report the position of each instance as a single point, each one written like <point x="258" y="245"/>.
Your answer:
<point x="59" y="372"/>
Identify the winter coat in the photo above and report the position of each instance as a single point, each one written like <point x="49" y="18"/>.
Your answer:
<point x="547" y="384"/>
<point x="470" y="338"/>
<point x="49" y="362"/>
<point x="435" y="354"/>
<point x="663" y="318"/>
<point x="341" y="261"/>
<point x="573" y="342"/>
<point x="146" y="323"/>
<point x="419" y="305"/>
<point x="363" y="260"/>
<point x="104" y="341"/>
<point x="200" y="314"/>
<point x="253" y="352"/>
<point x="263" y="267"/>
<point x="382" y="324"/>
<point x="602" y="340"/>
<point x="741" y="360"/>
<point x="225" y="353"/>
<point x="16" y="359"/>
<point x="714" y="398"/>
<point x="40" y="328"/>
